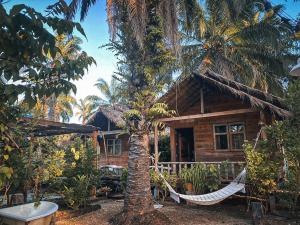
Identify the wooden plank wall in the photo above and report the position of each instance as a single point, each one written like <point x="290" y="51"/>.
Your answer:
<point x="120" y="160"/>
<point x="203" y="128"/>
<point x="204" y="137"/>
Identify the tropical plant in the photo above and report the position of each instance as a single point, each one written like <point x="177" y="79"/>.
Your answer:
<point x="27" y="38"/>
<point x="204" y="178"/>
<point x="160" y="184"/>
<point x="76" y="194"/>
<point x="110" y="92"/>
<point x="283" y="140"/>
<point x="69" y="49"/>
<point x="138" y="32"/>
<point x="262" y="171"/>
<point x="86" y="109"/>
<point x="241" y="40"/>
<point x="80" y="173"/>
<point x="61" y="107"/>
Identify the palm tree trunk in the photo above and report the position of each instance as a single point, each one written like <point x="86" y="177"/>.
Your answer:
<point x="138" y="206"/>
<point x="52" y="103"/>
<point x="138" y="198"/>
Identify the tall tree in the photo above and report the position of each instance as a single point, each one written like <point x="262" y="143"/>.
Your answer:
<point x="242" y="40"/>
<point x="69" y="49"/>
<point x="144" y="71"/>
<point x="85" y="109"/>
<point x="111" y="93"/>
<point x="142" y="30"/>
<point x="26" y="38"/>
<point x="62" y="108"/>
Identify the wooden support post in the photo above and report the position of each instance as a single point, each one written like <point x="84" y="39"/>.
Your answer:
<point x="156" y="156"/>
<point x="95" y="145"/>
<point x="105" y="149"/>
<point x="202" y="100"/>
<point x="262" y="124"/>
<point x="173" y="144"/>
<point x="94" y="135"/>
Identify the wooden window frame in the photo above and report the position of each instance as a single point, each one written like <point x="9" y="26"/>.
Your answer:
<point x="114" y="146"/>
<point x="229" y="136"/>
<point x="215" y="141"/>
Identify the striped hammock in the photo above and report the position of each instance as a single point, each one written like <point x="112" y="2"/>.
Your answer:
<point x="238" y="184"/>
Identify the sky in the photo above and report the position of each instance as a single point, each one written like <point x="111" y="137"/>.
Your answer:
<point x="96" y="29"/>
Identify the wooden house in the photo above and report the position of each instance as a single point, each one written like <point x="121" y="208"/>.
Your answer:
<point x="113" y="141"/>
<point x="214" y="117"/>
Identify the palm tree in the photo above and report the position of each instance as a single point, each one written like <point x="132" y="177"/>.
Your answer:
<point x="239" y="40"/>
<point x="85" y="110"/>
<point x="63" y="109"/>
<point x="137" y="16"/>
<point x="146" y="28"/>
<point x="110" y="92"/>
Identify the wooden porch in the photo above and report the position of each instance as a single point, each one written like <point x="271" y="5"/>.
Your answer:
<point x="227" y="171"/>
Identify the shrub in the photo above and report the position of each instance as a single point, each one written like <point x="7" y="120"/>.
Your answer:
<point x="204" y="179"/>
<point x="76" y="192"/>
<point x="261" y="171"/>
<point x="124" y="179"/>
<point x="159" y="183"/>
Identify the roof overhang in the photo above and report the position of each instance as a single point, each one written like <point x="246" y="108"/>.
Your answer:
<point x="41" y="127"/>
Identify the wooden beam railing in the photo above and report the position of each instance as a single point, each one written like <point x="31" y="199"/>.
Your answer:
<point x="227" y="171"/>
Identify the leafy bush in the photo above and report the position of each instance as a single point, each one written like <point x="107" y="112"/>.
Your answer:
<point x="261" y="171"/>
<point x="159" y="183"/>
<point x="124" y="179"/>
<point x="204" y="179"/>
<point x="76" y="193"/>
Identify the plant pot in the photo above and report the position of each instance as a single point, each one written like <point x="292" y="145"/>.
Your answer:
<point x="189" y="187"/>
<point x="93" y="191"/>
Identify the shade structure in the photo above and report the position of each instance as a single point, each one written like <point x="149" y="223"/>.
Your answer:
<point x="295" y="71"/>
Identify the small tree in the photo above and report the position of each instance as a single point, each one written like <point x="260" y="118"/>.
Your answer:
<point x="27" y="39"/>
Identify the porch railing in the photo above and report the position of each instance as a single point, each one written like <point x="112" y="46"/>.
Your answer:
<point x="227" y="171"/>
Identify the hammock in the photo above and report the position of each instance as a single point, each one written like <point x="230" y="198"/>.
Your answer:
<point x="238" y="184"/>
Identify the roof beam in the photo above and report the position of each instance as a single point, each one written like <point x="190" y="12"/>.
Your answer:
<point x="207" y="115"/>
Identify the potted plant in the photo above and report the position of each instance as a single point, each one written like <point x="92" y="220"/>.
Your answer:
<point x="187" y="176"/>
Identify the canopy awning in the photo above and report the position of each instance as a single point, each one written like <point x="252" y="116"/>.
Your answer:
<point x="41" y="127"/>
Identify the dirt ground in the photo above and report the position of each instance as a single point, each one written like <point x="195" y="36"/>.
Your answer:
<point x="225" y="214"/>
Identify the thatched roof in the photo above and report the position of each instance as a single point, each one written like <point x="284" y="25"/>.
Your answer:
<point x="113" y="113"/>
<point x="256" y="98"/>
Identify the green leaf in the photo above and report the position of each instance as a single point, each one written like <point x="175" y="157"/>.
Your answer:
<point x="80" y="29"/>
<point x="17" y="9"/>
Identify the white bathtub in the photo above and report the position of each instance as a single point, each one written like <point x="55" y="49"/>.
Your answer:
<point x="28" y="214"/>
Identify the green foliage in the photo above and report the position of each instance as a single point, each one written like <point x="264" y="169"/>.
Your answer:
<point x="86" y="108"/>
<point x="37" y="61"/>
<point x="144" y="70"/>
<point x="159" y="183"/>
<point x="77" y="192"/>
<point x="261" y="171"/>
<point x="79" y="173"/>
<point x="204" y="178"/>
<point x="80" y="155"/>
<point x="22" y="28"/>
<point x="274" y="165"/>
<point x="124" y="179"/>
<point x="239" y="40"/>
